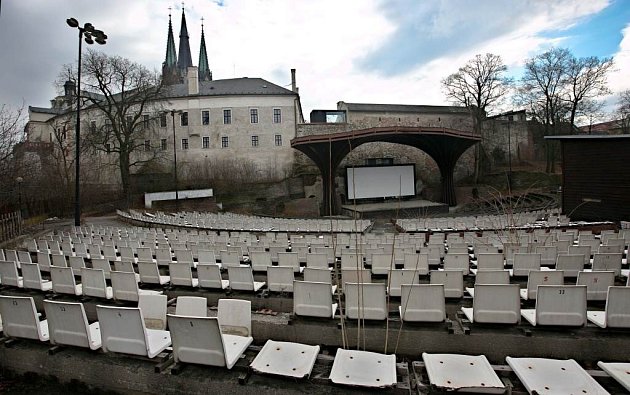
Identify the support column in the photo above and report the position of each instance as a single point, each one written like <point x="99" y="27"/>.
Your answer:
<point x="448" y="185"/>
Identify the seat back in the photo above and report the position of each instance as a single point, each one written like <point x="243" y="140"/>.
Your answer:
<point x="563" y="305"/>
<point x="351" y="261"/>
<point x="153" y="307"/>
<point x="317" y="275"/>
<point x="59" y="260"/>
<point x="422" y="303"/>
<point x="398" y="277"/>
<point x="144" y="254"/>
<point x="548" y="255"/>
<point x="497" y="304"/>
<point x="109" y="252"/>
<point x="542" y="277"/>
<point x="24" y="256"/>
<point x="453" y="281"/>
<point x="290" y="259"/>
<point x="124" y="286"/>
<point x="68" y="324"/>
<point x="366" y="301"/>
<point x="19" y="318"/>
<point x="184" y="256"/>
<point x="312" y="299"/>
<point x="191" y="306"/>
<point x="9" y="273"/>
<point x="584" y="250"/>
<point x="206" y="257"/>
<point x="230" y="258"/>
<point x="260" y="260"/>
<point x="241" y="278"/>
<point x="43" y="261"/>
<point x="280" y="278"/>
<point x="122" y="329"/>
<point x="181" y="274"/>
<point x="492" y="277"/>
<point x="524" y="262"/>
<point x="197" y="340"/>
<point x="103" y="264"/>
<point x="417" y="262"/>
<point x="149" y="272"/>
<point x="597" y="283"/>
<point x="235" y="316"/>
<point x="11" y="256"/>
<point x="63" y="280"/>
<point x="356" y="276"/>
<point x="127" y="253"/>
<point x="618" y="307"/>
<point x="490" y="261"/>
<point x="457" y="262"/>
<point x="124" y="266"/>
<point x="317" y="260"/>
<point x="605" y="262"/>
<point x="571" y="265"/>
<point x="32" y="278"/>
<point x="93" y="283"/>
<point x="382" y="263"/>
<point x="209" y="275"/>
<point x="76" y="263"/>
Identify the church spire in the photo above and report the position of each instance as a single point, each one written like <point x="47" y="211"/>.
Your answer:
<point x="169" y="67"/>
<point x="185" y="59"/>
<point x="204" y="69"/>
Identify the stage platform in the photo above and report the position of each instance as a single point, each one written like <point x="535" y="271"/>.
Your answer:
<point x="388" y="209"/>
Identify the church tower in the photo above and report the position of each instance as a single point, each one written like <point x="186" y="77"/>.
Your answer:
<point x="204" y="69"/>
<point x="185" y="59"/>
<point x="170" y="75"/>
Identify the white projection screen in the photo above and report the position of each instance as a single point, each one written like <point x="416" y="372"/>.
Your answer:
<point x="380" y="181"/>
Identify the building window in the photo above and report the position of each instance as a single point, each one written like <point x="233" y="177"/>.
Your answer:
<point x="163" y="144"/>
<point x="145" y="120"/>
<point x="254" y="141"/>
<point x="147" y="145"/>
<point x="108" y="148"/>
<point x="184" y="144"/>
<point x="205" y="117"/>
<point x="93" y="126"/>
<point x="253" y="115"/>
<point x="162" y="120"/>
<point x="278" y="140"/>
<point x="277" y="115"/>
<point x="205" y="142"/>
<point x="183" y="118"/>
<point x="225" y="142"/>
<point x="227" y="117"/>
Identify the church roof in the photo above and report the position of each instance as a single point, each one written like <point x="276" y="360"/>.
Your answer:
<point x="204" y="69"/>
<point x="234" y="86"/>
<point x="185" y="58"/>
<point x="402" y="108"/>
<point x="171" y="55"/>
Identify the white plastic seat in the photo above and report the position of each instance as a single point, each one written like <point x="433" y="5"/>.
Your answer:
<point x="422" y="303"/>
<point x="457" y="262"/>
<point x="145" y="254"/>
<point x="606" y="262"/>
<point x="181" y="275"/>
<point x="618" y="371"/>
<point x="20" y="318"/>
<point x="571" y="265"/>
<point x="363" y="369"/>
<point x="317" y="260"/>
<point x="351" y="261"/>
<point x="554" y="376"/>
<point x="260" y="260"/>
<point x="153" y="307"/>
<point x="24" y="256"/>
<point x="523" y="263"/>
<point x="125" y="287"/>
<point x="63" y="281"/>
<point x="465" y="373"/>
<point x="285" y="359"/>
<point x="490" y="261"/>
<point x="150" y="273"/>
<point x="68" y="325"/>
<point x="548" y="254"/>
<point x="199" y="340"/>
<point x="453" y="281"/>
<point x="597" y="283"/>
<point x="617" y="310"/>
<point x="206" y="257"/>
<point x="397" y="277"/>
<point x="382" y="263"/>
<point x="43" y="261"/>
<point x="561" y="305"/>
<point x="230" y="258"/>
<point x="32" y="278"/>
<point x="93" y="284"/>
<point x="366" y="301"/>
<point x="280" y="278"/>
<point x="76" y="263"/>
<point x="290" y="259"/>
<point x="540" y="277"/>
<point x="59" y="260"/>
<point x="9" y="274"/>
<point x="185" y="256"/>
<point x="319" y="275"/>
<point x="163" y="255"/>
<point x="209" y="276"/>
<point x="127" y="253"/>
<point x="191" y="306"/>
<point x="356" y="276"/>
<point x="417" y="262"/>
<point x="123" y="331"/>
<point x="495" y="304"/>
<point x="313" y="299"/>
<point x="242" y="279"/>
<point x="489" y="277"/>
<point x="235" y="316"/>
<point x="104" y="265"/>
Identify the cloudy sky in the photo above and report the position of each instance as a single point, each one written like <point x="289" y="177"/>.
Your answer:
<point x="379" y="51"/>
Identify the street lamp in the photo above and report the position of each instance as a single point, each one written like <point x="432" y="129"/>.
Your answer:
<point x="173" y="112"/>
<point x="90" y="34"/>
<point x="19" y="181"/>
<point x="509" y="157"/>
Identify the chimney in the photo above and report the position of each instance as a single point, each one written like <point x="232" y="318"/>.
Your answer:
<point x="293" y="86"/>
<point x="192" y="78"/>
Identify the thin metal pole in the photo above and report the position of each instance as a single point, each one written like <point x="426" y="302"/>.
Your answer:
<point x="509" y="157"/>
<point x="77" y="192"/>
<point x="175" y="161"/>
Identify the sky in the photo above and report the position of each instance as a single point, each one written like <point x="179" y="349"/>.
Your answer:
<point x="364" y="51"/>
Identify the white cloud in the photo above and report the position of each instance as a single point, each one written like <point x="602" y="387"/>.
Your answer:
<point x="618" y="80"/>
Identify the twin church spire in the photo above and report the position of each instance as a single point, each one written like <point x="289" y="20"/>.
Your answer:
<point x="174" y="68"/>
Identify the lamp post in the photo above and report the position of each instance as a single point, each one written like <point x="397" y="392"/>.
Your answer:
<point x="90" y="34"/>
<point x="19" y="181"/>
<point x="509" y="158"/>
<point x="173" y="112"/>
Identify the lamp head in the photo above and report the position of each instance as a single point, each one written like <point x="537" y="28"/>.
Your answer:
<point x="72" y="22"/>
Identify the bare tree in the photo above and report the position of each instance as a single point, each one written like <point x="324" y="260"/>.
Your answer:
<point x="11" y="133"/>
<point x="126" y="97"/>
<point x="623" y="111"/>
<point x="585" y="81"/>
<point x="479" y="85"/>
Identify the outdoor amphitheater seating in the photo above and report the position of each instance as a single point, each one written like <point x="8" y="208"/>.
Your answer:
<point x="43" y="261"/>
<point x="382" y="263"/>
<point x="285" y="359"/>
<point x="68" y="325"/>
<point x="363" y="368"/>
<point x="153" y="307"/>
<point x="317" y="260"/>
<point x="319" y="275"/>
<point x="150" y="274"/>
<point x="290" y="259"/>
<point x="618" y="371"/>
<point x="32" y="278"/>
<point x="422" y="303"/>
<point x="489" y="277"/>
<point x="465" y="373"/>
<point x="457" y="262"/>
<point x="605" y="262"/>
<point x="397" y="277"/>
<point x="20" y="318"/>
<point x="495" y="304"/>
<point x="417" y="262"/>
<point x="617" y="311"/>
<point x="63" y="281"/>
<point x="597" y="283"/>
<point x="280" y="278"/>
<point x="123" y="331"/>
<point x="235" y="316"/>
<point x="125" y="287"/>
<point x="524" y="262"/>
<point x="355" y="276"/>
<point x="209" y="276"/>
<point x="453" y="281"/>
<point x="313" y="299"/>
<point x="558" y="305"/>
<point x="9" y="275"/>
<point x="94" y="285"/>
<point x="191" y="306"/>
<point x="242" y="279"/>
<point x="571" y="265"/>
<point x="366" y="301"/>
<point x="102" y="264"/>
<point x="181" y="275"/>
<point x="541" y="277"/>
